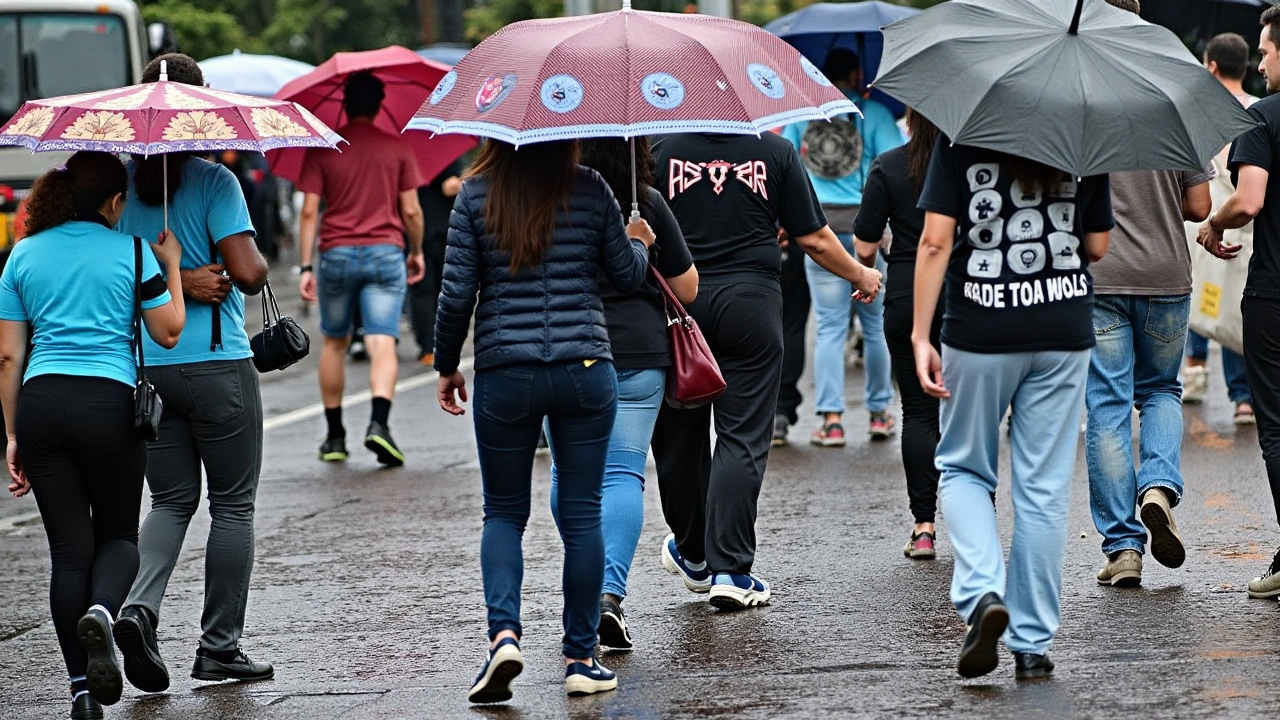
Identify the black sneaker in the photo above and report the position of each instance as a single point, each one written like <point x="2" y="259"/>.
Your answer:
<point x="978" y="655"/>
<point x="239" y="668"/>
<point x="613" y="630"/>
<point x="136" y="638"/>
<point x="781" y="423"/>
<point x="378" y="439"/>
<point x="1030" y="667"/>
<point x="103" y="673"/>
<point x="334" y="449"/>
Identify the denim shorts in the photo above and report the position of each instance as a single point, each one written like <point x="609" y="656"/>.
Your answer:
<point x="374" y="276"/>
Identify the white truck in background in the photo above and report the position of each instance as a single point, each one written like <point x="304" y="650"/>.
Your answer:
<point x="60" y="47"/>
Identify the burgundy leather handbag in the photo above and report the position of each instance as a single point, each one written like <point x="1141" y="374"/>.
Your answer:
<point x="694" y="378"/>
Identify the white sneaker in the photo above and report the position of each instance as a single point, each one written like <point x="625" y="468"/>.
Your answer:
<point x="1195" y="384"/>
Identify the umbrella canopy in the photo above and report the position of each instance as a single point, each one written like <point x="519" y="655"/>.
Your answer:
<point x="627" y="73"/>
<point x="409" y="79"/>
<point x="1078" y="85"/>
<point x="164" y="117"/>
<point x="248" y="74"/>
<point x="815" y="30"/>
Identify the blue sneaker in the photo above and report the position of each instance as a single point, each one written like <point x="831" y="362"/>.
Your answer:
<point x="582" y="679"/>
<point x="698" y="581"/>
<point x="730" y="591"/>
<point x="501" y="665"/>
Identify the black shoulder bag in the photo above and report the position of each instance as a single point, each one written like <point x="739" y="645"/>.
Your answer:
<point x="282" y="342"/>
<point x="147" y="407"/>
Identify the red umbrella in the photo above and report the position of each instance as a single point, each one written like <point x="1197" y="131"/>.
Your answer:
<point x="409" y="79"/>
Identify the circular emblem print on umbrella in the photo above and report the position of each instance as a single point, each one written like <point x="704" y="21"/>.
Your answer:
<point x="662" y="91"/>
<point x="493" y="91"/>
<point x="766" y="80"/>
<point x="561" y="93"/>
<point x="443" y="87"/>
<point x="813" y="72"/>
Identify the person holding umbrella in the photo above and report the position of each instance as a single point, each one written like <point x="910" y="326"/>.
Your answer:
<point x="212" y="408"/>
<point x="371" y="203"/>
<point x="530" y="233"/>
<point x="70" y="418"/>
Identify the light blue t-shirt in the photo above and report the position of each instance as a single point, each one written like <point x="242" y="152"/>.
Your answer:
<point x="74" y="284"/>
<point x="879" y="133"/>
<point x="208" y="204"/>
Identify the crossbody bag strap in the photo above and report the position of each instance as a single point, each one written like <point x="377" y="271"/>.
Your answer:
<point x="215" y="330"/>
<point x="137" y="307"/>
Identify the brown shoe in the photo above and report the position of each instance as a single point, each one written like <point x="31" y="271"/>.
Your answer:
<point x="1157" y="515"/>
<point x="1123" y="569"/>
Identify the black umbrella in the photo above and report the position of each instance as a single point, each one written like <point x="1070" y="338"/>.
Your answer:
<point x="1078" y="85"/>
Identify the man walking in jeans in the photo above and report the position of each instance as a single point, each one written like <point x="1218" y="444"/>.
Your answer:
<point x="1257" y="198"/>
<point x="370" y="190"/>
<point x="1142" y="303"/>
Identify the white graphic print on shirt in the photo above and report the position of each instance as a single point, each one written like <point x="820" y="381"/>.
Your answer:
<point x="1040" y="235"/>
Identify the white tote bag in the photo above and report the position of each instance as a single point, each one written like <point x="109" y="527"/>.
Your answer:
<point x="1217" y="286"/>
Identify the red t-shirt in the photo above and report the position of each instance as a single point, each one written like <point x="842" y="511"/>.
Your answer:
<point x="361" y="186"/>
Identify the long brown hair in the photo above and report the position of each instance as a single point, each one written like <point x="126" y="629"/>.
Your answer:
<point x="88" y="180"/>
<point x="924" y="135"/>
<point x="148" y="176"/>
<point x="526" y="188"/>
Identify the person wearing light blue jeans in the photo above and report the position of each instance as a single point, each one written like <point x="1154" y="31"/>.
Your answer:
<point x="637" y="323"/>
<point x="1047" y="390"/>
<point x="1008" y="243"/>
<point x="832" y="305"/>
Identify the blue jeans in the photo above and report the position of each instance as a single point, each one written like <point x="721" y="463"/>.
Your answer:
<point x="373" y="276"/>
<point x="579" y="401"/>
<point x="1047" y="391"/>
<point x="640" y="393"/>
<point x="1140" y="343"/>
<point x="831" y="305"/>
<point x="1233" y="372"/>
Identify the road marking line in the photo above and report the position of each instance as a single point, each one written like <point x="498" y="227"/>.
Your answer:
<point x="316" y="410"/>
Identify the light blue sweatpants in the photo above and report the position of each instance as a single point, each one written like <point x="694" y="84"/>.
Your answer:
<point x="1047" y="392"/>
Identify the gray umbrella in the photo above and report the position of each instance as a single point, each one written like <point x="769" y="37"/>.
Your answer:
<point x="1075" y="84"/>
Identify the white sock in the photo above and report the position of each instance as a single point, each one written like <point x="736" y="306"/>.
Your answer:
<point x="104" y="611"/>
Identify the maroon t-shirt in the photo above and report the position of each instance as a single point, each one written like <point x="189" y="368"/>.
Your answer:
<point x="361" y="186"/>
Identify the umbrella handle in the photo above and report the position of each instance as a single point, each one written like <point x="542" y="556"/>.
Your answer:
<point x="635" y="199"/>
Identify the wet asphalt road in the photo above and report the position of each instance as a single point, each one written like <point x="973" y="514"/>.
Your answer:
<point x="367" y="598"/>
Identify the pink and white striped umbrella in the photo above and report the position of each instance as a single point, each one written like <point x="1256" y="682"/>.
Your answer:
<point x="628" y="73"/>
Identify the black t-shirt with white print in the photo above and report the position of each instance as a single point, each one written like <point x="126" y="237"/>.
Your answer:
<point x="1018" y="280"/>
<point x="730" y="194"/>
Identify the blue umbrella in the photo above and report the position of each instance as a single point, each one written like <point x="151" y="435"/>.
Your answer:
<point x="447" y="53"/>
<point x="817" y="29"/>
<point x="247" y="74"/>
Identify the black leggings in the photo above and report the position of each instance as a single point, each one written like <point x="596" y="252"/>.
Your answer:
<point x="919" y="411"/>
<point x="77" y="445"/>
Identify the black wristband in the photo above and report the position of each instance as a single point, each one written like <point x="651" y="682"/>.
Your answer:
<point x="305" y="268"/>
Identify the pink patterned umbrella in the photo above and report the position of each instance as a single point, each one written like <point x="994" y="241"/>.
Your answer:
<point x="164" y="117"/>
<point x="628" y="73"/>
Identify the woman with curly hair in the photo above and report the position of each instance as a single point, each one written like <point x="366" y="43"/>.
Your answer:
<point x="69" y="419"/>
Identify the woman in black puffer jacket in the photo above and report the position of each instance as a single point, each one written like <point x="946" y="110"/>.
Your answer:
<point x="530" y="233"/>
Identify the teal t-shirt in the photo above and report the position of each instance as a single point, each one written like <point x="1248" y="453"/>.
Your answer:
<point x="208" y="205"/>
<point x="825" y="150"/>
<point x="74" y="284"/>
